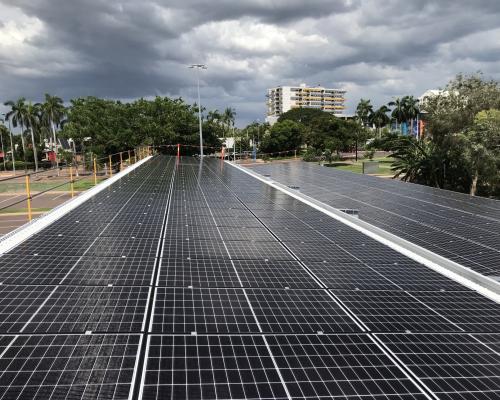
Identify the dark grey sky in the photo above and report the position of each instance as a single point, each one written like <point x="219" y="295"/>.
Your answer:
<point x="128" y="49"/>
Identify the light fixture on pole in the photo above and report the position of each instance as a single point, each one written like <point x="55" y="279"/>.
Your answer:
<point x="198" y="67"/>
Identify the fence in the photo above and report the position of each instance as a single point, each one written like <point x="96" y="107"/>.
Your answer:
<point x="25" y="196"/>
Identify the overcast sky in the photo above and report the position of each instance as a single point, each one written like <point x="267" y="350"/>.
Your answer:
<point x="128" y="49"/>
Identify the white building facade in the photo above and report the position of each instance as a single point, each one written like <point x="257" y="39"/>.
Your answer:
<point x="285" y="98"/>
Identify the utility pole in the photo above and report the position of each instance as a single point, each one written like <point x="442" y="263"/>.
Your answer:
<point x="198" y="67"/>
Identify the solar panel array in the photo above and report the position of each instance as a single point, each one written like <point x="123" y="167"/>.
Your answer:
<point x="186" y="280"/>
<point x="459" y="227"/>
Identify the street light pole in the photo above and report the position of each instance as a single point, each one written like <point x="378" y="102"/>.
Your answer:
<point x="198" y="67"/>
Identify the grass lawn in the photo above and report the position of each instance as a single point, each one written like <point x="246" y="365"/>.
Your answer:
<point x="357" y="167"/>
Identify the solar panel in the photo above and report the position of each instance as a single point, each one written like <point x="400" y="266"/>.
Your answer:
<point x="78" y="309"/>
<point x="450" y="224"/>
<point x="273" y="274"/>
<point x="126" y="271"/>
<point x="454" y="366"/>
<point x="202" y="310"/>
<point x="198" y="273"/>
<point x="299" y="311"/>
<point x="394" y="311"/>
<point x="68" y="366"/>
<point x="34" y="270"/>
<point x="338" y="366"/>
<point x="18" y="304"/>
<point x="230" y="312"/>
<point x="210" y="367"/>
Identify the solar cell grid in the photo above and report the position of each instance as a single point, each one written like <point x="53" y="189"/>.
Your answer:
<point x="18" y="304"/>
<point x="186" y="231"/>
<point x="393" y="311"/>
<point x="194" y="249"/>
<point x="324" y="252"/>
<point x="129" y="271"/>
<point x="299" y="311"/>
<point x="202" y="310"/>
<point x="211" y="367"/>
<point x="410" y="209"/>
<point x="469" y="310"/>
<point x="77" y="309"/>
<point x="34" y="270"/>
<point x="454" y="366"/>
<point x="349" y="276"/>
<point x="338" y="366"/>
<point x="69" y="367"/>
<point x="45" y="244"/>
<point x="273" y="274"/>
<point x="252" y="250"/>
<point x="123" y="246"/>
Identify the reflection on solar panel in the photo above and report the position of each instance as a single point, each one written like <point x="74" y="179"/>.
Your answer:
<point x="68" y="366"/>
<point x="459" y="227"/>
<point x="185" y="281"/>
<point x="454" y="366"/>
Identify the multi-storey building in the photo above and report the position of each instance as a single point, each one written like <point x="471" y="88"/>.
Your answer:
<point x="284" y="98"/>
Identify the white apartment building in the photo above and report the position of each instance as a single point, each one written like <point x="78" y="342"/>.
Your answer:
<point x="284" y="98"/>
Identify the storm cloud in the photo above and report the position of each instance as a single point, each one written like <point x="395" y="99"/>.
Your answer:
<point x="128" y="49"/>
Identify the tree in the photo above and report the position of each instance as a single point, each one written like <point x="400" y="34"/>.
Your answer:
<point x="379" y="118"/>
<point x="481" y="145"/>
<point x="399" y="112"/>
<point x="52" y="114"/>
<point x="303" y="115"/>
<point x="411" y="109"/>
<point x="228" y="117"/>
<point x="363" y="111"/>
<point x="32" y="119"/>
<point x="418" y="161"/>
<point x="17" y="115"/>
<point x="283" y="136"/>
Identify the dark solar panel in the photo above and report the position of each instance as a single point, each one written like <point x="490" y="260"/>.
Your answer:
<point x="454" y="366"/>
<point x="68" y="367"/>
<point x="18" y="304"/>
<point x="298" y="311"/>
<point x="450" y="224"/>
<point x="274" y="274"/>
<point x="338" y="366"/>
<point x="129" y="271"/>
<point x="78" y="309"/>
<point x="198" y="273"/>
<point x="222" y="310"/>
<point x="394" y="311"/>
<point x="34" y="270"/>
<point x="210" y="367"/>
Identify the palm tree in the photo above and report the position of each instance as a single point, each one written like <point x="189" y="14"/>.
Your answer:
<point x="411" y="109"/>
<point x="52" y="113"/>
<point x="399" y="112"/>
<point x="32" y="116"/>
<point x="363" y="111"/>
<point x="228" y="117"/>
<point x="17" y="116"/>
<point x="418" y="161"/>
<point x="379" y="118"/>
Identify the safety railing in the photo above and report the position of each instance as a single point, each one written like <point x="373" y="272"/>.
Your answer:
<point x="25" y="196"/>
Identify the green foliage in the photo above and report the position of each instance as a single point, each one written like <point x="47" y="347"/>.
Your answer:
<point x="369" y="154"/>
<point x="462" y="151"/>
<point x="305" y="116"/>
<point x="311" y="154"/>
<point x="113" y="126"/>
<point x="284" y="135"/>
